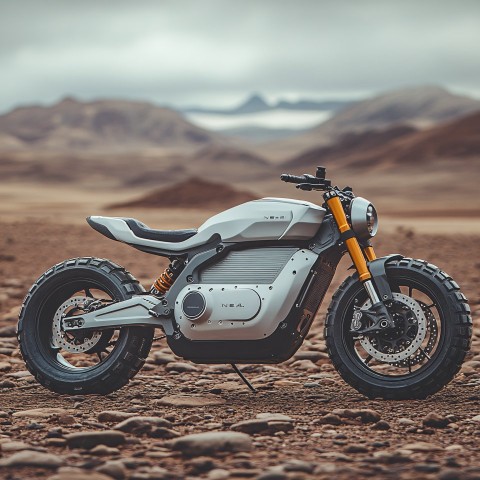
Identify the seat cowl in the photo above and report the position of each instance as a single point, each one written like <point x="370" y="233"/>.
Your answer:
<point x="100" y="227"/>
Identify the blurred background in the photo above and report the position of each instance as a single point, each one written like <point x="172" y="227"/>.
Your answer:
<point x="170" y="111"/>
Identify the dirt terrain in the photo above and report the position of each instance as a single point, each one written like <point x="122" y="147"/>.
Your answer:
<point x="308" y="434"/>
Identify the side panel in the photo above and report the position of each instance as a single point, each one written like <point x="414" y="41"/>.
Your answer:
<point x="283" y="342"/>
<point x="276" y="301"/>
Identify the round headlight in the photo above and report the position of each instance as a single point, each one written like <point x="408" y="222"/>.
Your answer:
<point x="364" y="218"/>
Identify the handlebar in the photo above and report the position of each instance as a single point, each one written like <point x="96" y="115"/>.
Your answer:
<point x="308" y="182"/>
<point x="286" y="177"/>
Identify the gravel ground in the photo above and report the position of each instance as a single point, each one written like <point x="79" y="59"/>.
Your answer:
<point x="304" y="422"/>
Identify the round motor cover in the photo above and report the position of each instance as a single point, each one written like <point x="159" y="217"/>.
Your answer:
<point x="194" y="305"/>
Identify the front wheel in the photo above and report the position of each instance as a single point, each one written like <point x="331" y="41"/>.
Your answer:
<point x="422" y="353"/>
<point x="92" y="362"/>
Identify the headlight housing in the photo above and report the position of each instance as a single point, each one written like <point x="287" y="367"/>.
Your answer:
<point x="364" y="218"/>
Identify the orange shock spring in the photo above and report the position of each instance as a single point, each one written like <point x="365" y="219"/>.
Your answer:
<point x="163" y="282"/>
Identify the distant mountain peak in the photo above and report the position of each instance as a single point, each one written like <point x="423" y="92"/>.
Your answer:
<point x="254" y="103"/>
<point x="68" y="100"/>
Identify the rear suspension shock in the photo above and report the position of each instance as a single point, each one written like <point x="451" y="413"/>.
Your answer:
<point x="163" y="283"/>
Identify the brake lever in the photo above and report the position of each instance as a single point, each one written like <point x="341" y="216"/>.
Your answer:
<point x="304" y="186"/>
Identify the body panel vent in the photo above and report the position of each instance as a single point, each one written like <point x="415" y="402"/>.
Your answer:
<point x="253" y="266"/>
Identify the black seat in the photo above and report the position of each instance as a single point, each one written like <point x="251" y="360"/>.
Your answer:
<point x="172" y="236"/>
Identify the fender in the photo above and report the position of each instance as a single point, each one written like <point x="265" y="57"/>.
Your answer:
<point x="379" y="275"/>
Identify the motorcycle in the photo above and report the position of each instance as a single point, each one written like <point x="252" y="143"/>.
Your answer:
<point x="245" y="288"/>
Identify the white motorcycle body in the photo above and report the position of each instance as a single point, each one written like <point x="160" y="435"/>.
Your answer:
<point x="245" y="291"/>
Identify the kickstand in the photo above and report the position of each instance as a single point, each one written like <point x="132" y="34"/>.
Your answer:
<point x="240" y="374"/>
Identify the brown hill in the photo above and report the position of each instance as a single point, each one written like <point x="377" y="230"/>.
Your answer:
<point x="144" y="168"/>
<point x="349" y="144"/>
<point x="420" y="107"/>
<point x="104" y="125"/>
<point x="191" y="193"/>
<point x="222" y="154"/>
<point x="400" y="146"/>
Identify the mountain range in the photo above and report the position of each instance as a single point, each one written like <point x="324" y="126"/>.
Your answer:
<point x="399" y="146"/>
<point x="427" y="134"/>
<point x="419" y="107"/>
<point x="256" y="103"/>
<point x="104" y="125"/>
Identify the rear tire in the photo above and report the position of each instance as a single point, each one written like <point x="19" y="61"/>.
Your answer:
<point x="35" y="326"/>
<point x="437" y="371"/>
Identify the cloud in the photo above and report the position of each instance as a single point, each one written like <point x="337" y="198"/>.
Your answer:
<point x="217" y="51"/>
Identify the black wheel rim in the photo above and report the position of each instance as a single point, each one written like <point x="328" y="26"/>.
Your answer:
<point x="104" y="351"/>
<point x="421" y="360"/>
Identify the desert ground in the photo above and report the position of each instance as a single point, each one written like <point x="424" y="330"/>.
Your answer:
<point x="306" y="422"/>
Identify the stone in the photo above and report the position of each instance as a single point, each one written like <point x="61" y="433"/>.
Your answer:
<point x="114" y="416"/>
<point x="381" y="425"/>
<point x="24" y="374"/>
<point x="295" y="465"/>
<point x="181" y="367"/>
<point x="8" y="331"/>
<point x="476" y="418"/>
<point x="191" y="400"/>
<point x="140" y="425"/>
<point x="305" y="365"/>
<point x="212" y="442"/>
<point x="7" y="384"/>
<point x="114" y="469"/>
<point x="87" y="440"/>
<point x="29" y="458"/>
<point x="231" y="386"/>
<point x="154" y="473"/>
<point x="15" y="446"/>
<point x="275" y="417"/>
<point x="369" y="416"/>
<point x="427" y="467"/>
<point x="218" y="474"/>
<point x="435" y="420"/>
<point x="79" y="474"/>
<point x="39" y="413"/>
<point x="366" y="415"/>
<point x="314" y="356"/>
<point x="160" y="358"/>
<point x="5" y="366"/>
<point x="162" y="432"/>
<point x="422" y="447"/>
<point x="272" y="475"/>
<point x="331" y="419"/>
<point x="102" y="450"/>
<point x="269" y="425"/>
<point x="356" y="449"/>
<point x="63" y="419"/>
<point x="406" y="421"/>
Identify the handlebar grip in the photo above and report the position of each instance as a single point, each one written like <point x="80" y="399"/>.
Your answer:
<point x="286" y="177"/>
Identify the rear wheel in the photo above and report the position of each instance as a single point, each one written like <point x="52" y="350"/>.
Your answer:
<point x="425" y="349"/>
<point x="93" y="362"/>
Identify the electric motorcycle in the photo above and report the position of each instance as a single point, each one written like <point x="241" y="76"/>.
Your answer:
<point x="244" y="289"/>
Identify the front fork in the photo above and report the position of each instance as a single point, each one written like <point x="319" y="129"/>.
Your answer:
<point x="359" y="257"/>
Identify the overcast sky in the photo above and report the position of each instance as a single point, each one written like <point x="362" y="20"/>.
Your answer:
<point x="215" y="52"/>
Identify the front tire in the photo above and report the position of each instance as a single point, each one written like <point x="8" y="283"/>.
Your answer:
<point x="41" y="352"/>
<point x="433" y="370"/>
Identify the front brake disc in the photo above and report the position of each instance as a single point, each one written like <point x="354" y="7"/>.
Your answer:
<point x="372" y="345"/>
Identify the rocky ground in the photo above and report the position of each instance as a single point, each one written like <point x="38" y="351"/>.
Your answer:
<point x="178" y="420"/>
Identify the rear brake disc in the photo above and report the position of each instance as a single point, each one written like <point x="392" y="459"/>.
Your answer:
<point x="72" y="343"/>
